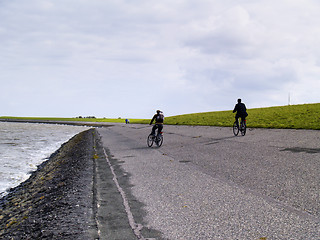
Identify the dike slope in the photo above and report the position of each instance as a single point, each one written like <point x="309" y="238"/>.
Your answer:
<point x="57" y="201"/>
<point x="73" y="195"/>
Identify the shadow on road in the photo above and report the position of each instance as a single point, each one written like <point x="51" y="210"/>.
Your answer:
<point x="299" y="150"/>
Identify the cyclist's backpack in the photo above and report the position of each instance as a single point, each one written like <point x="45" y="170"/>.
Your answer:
<point x="160" y="117"/>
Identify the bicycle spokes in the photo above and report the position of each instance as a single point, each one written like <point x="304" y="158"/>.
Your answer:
<point x="158" y="139"/>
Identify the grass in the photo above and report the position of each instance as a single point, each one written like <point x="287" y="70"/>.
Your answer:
<point x="305" y="116"/>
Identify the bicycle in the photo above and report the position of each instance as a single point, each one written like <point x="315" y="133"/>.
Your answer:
<point x="158" y="139"/>
<point x="242" y="127"/>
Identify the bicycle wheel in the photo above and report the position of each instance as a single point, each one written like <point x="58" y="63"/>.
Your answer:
<point x="159" y="140"/>
<point x="243" y="129"/>
<point x="235" y="129"/>
<point x="150" y="140"/>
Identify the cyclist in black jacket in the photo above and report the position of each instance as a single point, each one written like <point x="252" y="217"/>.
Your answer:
<point x="241" y="110"/>
<point x="158" y="118"/>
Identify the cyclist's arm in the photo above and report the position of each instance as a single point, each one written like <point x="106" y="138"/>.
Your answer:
<point x="235" y="108"/>
<point x="154" y="117"/>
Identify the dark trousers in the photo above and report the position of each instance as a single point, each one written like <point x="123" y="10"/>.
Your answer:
<point x="157" y="125"/>
<point x="243" y="117"/>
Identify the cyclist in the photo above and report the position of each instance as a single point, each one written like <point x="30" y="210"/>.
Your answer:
<point x="158" y="118"/>
<point x="241" y="110"/>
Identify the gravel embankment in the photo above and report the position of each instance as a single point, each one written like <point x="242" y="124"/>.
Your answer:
<point x="57" y="201"/>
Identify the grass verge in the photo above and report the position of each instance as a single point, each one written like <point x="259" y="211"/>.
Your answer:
<point x="305" y="116"/>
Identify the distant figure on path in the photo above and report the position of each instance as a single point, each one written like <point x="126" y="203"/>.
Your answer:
<point x="158" y="118"/>
<point x="127" y="121"/>
<point x="241" y="110"/>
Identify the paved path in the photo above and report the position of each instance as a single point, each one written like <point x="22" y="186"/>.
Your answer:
<point x="204" y="183"/>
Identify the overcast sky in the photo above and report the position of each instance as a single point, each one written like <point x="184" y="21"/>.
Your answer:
<point x="124" y="58"/>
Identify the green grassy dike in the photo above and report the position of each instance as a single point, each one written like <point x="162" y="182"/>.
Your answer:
<point x="305" y="116"/>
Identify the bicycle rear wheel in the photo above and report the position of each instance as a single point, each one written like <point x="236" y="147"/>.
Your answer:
<point x="235" y="129"/>
<point x="150" y="140"/>
<point x="159" y="140"/>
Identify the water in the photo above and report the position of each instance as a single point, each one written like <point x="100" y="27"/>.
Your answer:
<point x="23" y="146"/>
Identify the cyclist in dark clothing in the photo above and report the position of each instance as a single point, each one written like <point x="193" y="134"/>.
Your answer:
<point x="241" y="110"/>
<point x="158" y="118"/>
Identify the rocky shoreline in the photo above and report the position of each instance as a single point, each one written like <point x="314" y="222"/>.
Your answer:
<point x="57" y="201"/>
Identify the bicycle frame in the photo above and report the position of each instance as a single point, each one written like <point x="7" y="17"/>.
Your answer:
<point x="243" y="123"/>
<point x="158" y="139"/>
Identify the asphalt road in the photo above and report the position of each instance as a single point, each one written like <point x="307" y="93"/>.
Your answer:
<point x="204" y="183"/>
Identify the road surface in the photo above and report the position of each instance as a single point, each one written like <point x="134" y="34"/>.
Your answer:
<point x="204" y="183"/>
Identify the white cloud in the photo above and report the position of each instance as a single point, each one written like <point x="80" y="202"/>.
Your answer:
<point x="113" y="58"/>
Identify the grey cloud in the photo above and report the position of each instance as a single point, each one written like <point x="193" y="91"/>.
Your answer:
<point x="194" y="53"/>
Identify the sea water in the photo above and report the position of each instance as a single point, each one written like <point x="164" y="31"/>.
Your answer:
<point x="23" y="146"/>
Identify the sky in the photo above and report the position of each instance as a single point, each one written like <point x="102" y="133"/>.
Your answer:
<point x="124" y="58"/>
